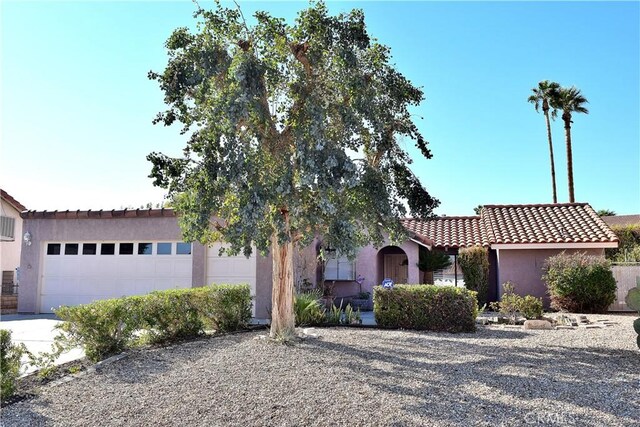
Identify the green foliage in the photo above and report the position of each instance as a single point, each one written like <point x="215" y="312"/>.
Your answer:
<point x="334" y="315"/>
<point x="474" y="263"/>
<point x="351" y="317"/>
<point x="606" y="212"/>
<point x="10" y="355"/>
<point x="102" y="328"/>
<point x="108" y="327"/>
<point x="628" y="249"/>
<point x="433" y="260"/>
<point x="274" y="111"/>
<point x="308" y="309"/>
<point x="633" y="297"/>
<point x="425" y="307"/>
<point x="579" y="283"/>
<point x="511" y="304"/>
<point x="364" y="295"/>
<point x="45" y="361"/>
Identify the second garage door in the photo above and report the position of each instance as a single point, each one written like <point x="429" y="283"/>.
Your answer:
<point x="231" y="269"/>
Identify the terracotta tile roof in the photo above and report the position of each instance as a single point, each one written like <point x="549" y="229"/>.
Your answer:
<point x="122" y="213"/>
<point x="449" y="232"/>
<point x="550" y="223"/>
<point x="621" y="220"/>
<point x="13" y="202"/>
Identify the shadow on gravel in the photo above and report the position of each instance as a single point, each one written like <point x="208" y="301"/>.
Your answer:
<point x="478" y="382"/>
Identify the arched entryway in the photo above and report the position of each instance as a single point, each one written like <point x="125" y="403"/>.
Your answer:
<point x="393" y="264"/>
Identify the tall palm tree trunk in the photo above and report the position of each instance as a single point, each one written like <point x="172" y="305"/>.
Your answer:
<point x="567" y="132"/>
<point x="553" y="167"/>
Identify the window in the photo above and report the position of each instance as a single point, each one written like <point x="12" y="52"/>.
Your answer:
<point x="144" y="248"/>
<point x="71" y="249"/>
<point x="89" y="249"/>
<point x="107" y="249"/>
<point x="339" y="269"/>
<point x="164" y="249"/>
<point x="126" y="249"/>
<point x="183" y="248"/>
<point x="53" y="249"/>
<point x="7" y="228"/>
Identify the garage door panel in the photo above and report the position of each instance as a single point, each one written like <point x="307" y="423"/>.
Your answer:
<point x="231" y="270"/>
<point x="81" y="279"/>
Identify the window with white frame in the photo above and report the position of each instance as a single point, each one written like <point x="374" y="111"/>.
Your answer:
<point x="339" y="268"/>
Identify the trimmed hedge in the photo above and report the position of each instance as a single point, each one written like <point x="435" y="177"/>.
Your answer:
<point x="579" y="283"/>
<point x="474" y="263"/>
<point x="426" y="307"/>
<point x="108" y="327"/>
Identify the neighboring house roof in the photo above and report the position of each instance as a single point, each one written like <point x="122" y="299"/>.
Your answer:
<point x="621" y="220"/>
<point x="122" y="213"/>
<point x="449" y="231"/>
<point x="13" y="202"/>
<point x="549" y="223"/>
<point x="562" y="223"/>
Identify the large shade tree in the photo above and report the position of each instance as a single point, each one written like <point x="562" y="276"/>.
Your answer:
<point x="293" y="131"/>
<point x="542" y="98"/>
<point x="570" y="100"/>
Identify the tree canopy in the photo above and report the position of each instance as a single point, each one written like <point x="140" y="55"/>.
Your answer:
<point x="304" y="118"/>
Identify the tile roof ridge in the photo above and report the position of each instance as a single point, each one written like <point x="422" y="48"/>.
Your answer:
<point x="537" y="205"/>
<point x="12" y="201"/>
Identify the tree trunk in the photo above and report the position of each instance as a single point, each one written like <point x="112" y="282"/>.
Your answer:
<point x="553" y="167"/>
<point x="567" y="131"/>
<point x="282" y="315"/>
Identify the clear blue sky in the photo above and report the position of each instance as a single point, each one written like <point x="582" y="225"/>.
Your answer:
<point x="77" y="105"/>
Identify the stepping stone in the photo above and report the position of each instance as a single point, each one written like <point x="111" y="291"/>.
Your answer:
<point x="564" y="327"/>
<point x="588" y="326"/>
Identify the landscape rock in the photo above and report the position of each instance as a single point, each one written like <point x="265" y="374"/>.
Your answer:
<point x="537" y="324"/>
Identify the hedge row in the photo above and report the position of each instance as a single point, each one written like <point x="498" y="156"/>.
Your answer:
<point x="108" y="327"/>
<point x="426" y="307"/>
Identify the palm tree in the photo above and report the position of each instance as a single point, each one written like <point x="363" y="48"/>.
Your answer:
<point x="569" y="100"/>
<point x="542" y="97"/>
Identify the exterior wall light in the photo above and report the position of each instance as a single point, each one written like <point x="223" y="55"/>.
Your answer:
<point x="27" y="238"/>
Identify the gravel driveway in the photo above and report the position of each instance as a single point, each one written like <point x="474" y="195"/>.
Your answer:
<point x="357" y="377"/>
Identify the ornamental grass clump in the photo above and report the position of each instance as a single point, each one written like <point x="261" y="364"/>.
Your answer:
<point x="579" y="283"/>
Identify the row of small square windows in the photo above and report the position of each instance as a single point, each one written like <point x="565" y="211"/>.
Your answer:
<point x="162" y="248"/>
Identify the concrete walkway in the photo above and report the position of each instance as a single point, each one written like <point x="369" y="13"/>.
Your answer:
<point x="368" y="318"/>
<point x="36" y="332"/>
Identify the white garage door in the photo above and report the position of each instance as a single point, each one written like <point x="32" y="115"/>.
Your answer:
<point x="231" y="269"/>
<point x="82" y="272"/>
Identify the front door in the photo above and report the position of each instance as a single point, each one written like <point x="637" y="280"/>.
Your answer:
<point x="396" y="268"/>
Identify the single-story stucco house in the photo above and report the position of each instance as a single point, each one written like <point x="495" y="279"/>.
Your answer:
<point x="10" y="246"/>
<point x="75" y="257"/>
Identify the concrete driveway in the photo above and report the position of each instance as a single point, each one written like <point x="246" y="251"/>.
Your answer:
<point x="36" y="332"/>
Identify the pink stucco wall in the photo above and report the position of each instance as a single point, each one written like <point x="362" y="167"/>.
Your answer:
<point x="523" y="267"/>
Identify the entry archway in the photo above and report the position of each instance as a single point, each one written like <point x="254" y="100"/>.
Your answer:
<point x="393" y="264"/>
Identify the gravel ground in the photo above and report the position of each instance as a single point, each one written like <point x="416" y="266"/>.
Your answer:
<point x="495" y="377"/>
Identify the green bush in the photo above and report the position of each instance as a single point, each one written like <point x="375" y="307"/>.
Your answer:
<point x="10" y="355"/>
<point x="308" y="309"/>
<point x="579" y="283"/>
<point x="425" y="307"/>
<point x="108" y="327"/>
<point x="474" y="263"/>
<point x="171" y="315"/>
<point x="628" y="249"/>
<point x="512" y="304"/>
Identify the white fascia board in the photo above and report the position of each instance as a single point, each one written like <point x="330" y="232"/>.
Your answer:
<point x="420" y="243"/>
<point x="584" y="245"/>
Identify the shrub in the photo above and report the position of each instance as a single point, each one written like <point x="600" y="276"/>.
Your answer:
<point x="102" y="328"/>
<point x="108" y="327"/>
<point x="308" y="309"/>
<point x="225" y="308"/>
<point x="474" y="263"/>
<point x="10" y="355"/>
<point x="579" y="283"/>
<point x="512" y="304"/>
<point x="628" y="249"/>
<point x="172" y="315"/>
<point x="425" y="307"/>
